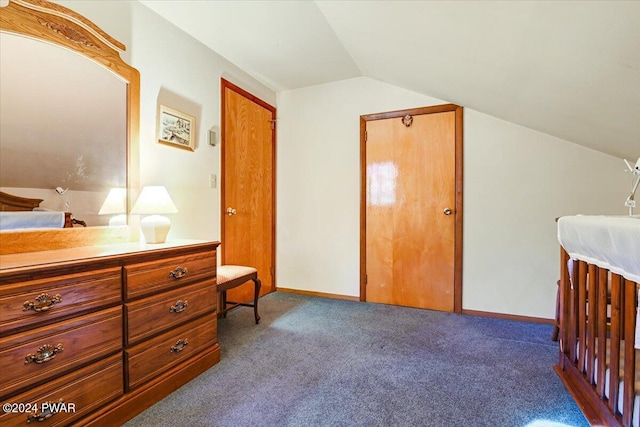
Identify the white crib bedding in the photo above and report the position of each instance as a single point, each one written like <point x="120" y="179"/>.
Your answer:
<point x="15" y="220"/>
<point x="611" y="242"/>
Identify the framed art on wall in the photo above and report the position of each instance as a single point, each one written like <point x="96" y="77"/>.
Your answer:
<point x="176" y="128"/>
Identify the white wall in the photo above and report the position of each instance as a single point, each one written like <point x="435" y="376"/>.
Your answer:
<point x="183" y="74"/>
<point x="516" y="182"/>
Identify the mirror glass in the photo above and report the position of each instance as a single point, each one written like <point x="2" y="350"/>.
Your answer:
<point x="64" y="127"/>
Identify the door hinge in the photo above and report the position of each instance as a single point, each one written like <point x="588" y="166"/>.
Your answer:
<point x="365" y="136"/>
<point x="366" y="279"/>
<point x="273" y="123"/>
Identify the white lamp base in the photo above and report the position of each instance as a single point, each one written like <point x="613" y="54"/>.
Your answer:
<point x="118" y="220"/>
<point x="155" y="228"/>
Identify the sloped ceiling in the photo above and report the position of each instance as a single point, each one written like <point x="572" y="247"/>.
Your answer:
<point x="566" y="68"/>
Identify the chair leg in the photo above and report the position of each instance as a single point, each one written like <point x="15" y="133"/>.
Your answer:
<point x="224" y="304"/>
<point x="257" y="284"/>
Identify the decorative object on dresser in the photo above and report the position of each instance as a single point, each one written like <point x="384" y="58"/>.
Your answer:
<point x="176" y="128"/>
<point x="231" y="276"/>
<point x="154" y="200"/>
<point x="107" y="330"/>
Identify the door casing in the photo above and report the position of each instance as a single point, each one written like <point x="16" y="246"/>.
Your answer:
<point x="457" y="285"/>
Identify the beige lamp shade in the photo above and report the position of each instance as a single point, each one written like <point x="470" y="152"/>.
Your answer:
<point x="154" y="200"/>
<point x="115" y="204"/>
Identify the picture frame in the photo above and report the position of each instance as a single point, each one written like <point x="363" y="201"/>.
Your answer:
<point x="176" y="128"/>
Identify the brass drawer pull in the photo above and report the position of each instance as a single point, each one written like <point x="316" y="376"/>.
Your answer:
<point x="180" y="345"/>
<point x="48" y="411"/>
<point x="178" y="273"/>
<point x="44" y="354"/>
<point x="179" y="306"/>
<point x="43" y="302"/>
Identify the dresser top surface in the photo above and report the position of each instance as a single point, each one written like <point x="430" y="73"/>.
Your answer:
<point x="34" y="259"/>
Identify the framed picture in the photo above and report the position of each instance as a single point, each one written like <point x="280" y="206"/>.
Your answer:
<point x="176" y="128"/>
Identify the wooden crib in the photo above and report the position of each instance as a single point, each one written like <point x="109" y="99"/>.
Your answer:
<point x="597" y="310"/>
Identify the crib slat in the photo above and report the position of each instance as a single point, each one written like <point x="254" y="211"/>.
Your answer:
<point x="614" y="365"/>
<point x="602" y="329"/>
<point x="582" y="314"/>
<point x="631" y="295"/>
<point x="573" y="313"/>
<point x="592" y="321"/>
<point x="564" y="316"/>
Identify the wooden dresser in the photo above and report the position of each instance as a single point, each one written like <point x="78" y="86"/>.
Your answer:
<point x="95" y="335"/>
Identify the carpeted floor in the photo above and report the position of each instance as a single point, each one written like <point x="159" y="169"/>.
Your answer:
<point x="323" y="362"/>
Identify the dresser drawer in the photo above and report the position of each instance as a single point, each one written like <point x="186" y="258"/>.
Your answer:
<point x="71" y="343"/>
<point x="151" y="315"/>
<point x="81" y="391"/>
<point x="155" y="356"/>
<point x="155" y="276"/>
<point x="45" y="300"/>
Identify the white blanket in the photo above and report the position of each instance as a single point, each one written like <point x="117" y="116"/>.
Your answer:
<point x="611" y="242"/>
<point x="31" y="219"/>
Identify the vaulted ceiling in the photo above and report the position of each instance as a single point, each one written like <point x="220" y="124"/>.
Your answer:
<point x="570" y="69"/>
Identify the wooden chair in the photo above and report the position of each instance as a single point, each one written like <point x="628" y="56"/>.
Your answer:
<point x="231" y="276"/>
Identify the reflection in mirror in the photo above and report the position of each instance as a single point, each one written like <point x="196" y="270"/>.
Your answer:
<point x="64" y="125"/>
<point x="78" y="179"/>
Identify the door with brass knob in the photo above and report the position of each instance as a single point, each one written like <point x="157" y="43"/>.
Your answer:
<point x="247" y="187"/>
<point x="410" y="208"/>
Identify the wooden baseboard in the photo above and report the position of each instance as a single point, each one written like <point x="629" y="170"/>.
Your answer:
<point x="467" y="312"/>
<point x="509" y="317"/>
<point x="318" y="294"/>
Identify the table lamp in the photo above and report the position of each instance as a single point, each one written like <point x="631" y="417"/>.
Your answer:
<point x="154" y="200"/>
<point x="115" y="204"/>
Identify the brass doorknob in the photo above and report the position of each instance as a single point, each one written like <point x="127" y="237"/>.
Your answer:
<point x="231" y="211"/>
<point x="447" y="211"/>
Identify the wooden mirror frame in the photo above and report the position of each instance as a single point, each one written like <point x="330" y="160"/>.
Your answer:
<point x="60" y="26"/>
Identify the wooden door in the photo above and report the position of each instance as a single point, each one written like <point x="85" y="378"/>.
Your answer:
<point x="248" y="187"/>
<point x="413" y="208"/>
